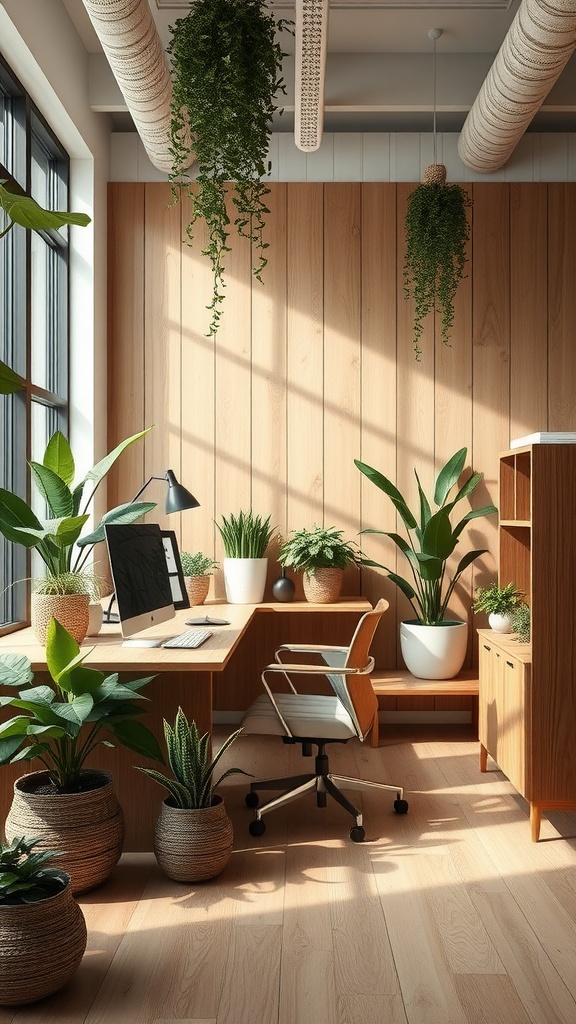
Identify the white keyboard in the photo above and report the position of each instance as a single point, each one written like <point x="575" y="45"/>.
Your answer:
<point x="193" y="638"/>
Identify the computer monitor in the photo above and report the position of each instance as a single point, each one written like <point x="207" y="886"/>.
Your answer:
<point x="140" y="575"/>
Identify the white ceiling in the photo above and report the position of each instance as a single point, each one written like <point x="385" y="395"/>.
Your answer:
<point x="379" y="73"/>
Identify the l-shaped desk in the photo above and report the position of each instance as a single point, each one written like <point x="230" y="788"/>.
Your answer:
<point x="185" y="678"/>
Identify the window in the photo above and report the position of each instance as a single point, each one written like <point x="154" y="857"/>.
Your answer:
<point x="33" y="318"/>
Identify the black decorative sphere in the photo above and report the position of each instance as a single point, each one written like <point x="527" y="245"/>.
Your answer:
<point x="283" y="589"/>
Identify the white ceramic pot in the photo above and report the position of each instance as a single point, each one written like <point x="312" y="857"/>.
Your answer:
<point x="245" y="579"/>
<point x="95" y="614"/>
<point x="500" y="623"/>
<point x="433" y="652"/>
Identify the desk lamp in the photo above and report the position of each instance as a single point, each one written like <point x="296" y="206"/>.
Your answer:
<point x="178" y="499"/>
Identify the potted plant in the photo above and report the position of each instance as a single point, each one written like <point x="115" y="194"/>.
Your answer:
<point x="321" y="554"/>
<point x="226" y="73"/>
<point x="59" y="722"/>
<point x="245" y="537"/>
<point x="197" y="569"/>
<point x="433" y="646"/>
<point x="193" y="835"/>
<point x="521" y="623"/>
<point x="499" y="604"/>
<point x="437" y="231"/>
<point x="42" y="928"/>
<point x="58" y="539"/>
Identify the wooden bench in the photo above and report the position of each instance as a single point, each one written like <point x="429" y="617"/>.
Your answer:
<point x="400" y="683"/>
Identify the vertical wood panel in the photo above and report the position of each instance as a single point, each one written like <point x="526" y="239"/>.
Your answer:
<point x="197" y="391"/>
<point x="562" y="308"/>
<point x="378" y="440"/>
<point x="233" y="387"/>
<point x="162" y="334"/>
<point x="125" y="337"/>
<point x="453" y="419"/>
<point x="305" y="386"/>
<point x="269" y="376"/>
<point x="342" y="320"/>
<point x="490" y="355"/>
<point x="528" y="309"/>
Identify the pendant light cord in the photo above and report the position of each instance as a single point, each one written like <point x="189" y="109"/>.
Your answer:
<point x="434" y="115"/>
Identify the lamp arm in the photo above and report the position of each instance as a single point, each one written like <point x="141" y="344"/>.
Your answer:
<point x="144" y="486"/>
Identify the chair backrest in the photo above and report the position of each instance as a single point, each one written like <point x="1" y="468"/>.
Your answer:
<point x="358" y="688"/>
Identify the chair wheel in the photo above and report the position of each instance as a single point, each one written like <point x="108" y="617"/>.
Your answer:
<point x="257" y="827"/>
<point x="401" y="806"/>
<point x="251" y="799"/>
<point x="357" y="834"/>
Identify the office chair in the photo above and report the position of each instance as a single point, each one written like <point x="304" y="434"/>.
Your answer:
<point x="315" y="719"/>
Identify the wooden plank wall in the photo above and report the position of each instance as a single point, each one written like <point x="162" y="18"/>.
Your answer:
<point x="316" y="367"/>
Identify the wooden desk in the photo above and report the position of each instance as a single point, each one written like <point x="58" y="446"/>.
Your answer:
<point x="185" y="678"/>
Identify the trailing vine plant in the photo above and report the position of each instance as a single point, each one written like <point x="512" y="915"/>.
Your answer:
<point x="226" y="72"/>
<point x="436" y="234"/>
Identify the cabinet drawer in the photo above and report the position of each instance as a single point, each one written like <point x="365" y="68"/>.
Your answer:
<point x="502" y="712"/>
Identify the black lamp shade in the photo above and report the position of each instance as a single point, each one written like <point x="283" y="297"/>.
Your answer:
<point x="178" y="498"/>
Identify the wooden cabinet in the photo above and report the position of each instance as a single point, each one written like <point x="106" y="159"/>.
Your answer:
<point x="527" y="692"/>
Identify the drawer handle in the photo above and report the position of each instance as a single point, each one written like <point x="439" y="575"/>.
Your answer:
<point x="486" y="648"/>
<point x="511" y="664"/>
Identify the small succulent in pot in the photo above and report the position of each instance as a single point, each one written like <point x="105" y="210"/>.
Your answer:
<point x="197" y="569"/>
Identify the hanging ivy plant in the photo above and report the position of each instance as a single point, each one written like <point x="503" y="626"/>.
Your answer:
<point x="226" y="72"/>
<point x="436" y="234"/>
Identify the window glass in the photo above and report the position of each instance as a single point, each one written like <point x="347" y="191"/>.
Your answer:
<point x="33" y="323"/>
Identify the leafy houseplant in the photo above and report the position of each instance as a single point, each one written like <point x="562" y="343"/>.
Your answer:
<point x="42" y="929"/>
<point x="26" y="212"/>
<point x="226" y="71"/>
<point x="431" y="539"/>
<point x="193" y="835"/>
<point x="521" y="623"/>
<point x="321" y="554"/>
<point x="437" y="231"/>
<point x="197" y="569"/>
<point x="59" y="723"/>
<point x="499" y="604"/>
<point x="58" y="539"/>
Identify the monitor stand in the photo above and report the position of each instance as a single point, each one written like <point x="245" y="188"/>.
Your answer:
<point x="207" y="620"/>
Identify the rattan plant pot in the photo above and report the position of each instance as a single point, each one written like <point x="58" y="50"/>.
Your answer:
<point x="197" y="588"/>
<point x="324" y="586"/>
<point x="41" y="946"/>
<point x="88" y="826"/>
<point x="71" y="610"/>
<point x="193" y="845"/>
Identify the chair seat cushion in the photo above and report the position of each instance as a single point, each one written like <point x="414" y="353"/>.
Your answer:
<point x="307" y="715"/>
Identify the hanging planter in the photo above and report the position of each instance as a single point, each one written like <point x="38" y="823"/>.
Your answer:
<point x="437" y="231"/>
<point x="226" y="70"/>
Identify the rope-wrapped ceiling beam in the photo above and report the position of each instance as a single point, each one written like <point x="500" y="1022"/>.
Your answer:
<point x="537" y="47"/>
<point x="133" y="48"/>
<point x="310" y="72"/>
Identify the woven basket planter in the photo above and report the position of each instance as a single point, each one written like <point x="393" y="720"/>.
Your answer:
<point x="41" y="946"/>
<point x="71" y="610"/>
<point x="88" y="826"/>
<point x="197" y="588"/>
<point x="193" y="845"/>
<point x="324" y="586"/>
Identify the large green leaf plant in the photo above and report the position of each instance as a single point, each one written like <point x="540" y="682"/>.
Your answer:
<point x="431" y="538"/>
<point x="60" y="723"/>
<point x="57" y="539"/>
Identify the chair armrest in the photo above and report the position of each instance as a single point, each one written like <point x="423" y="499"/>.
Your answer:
<point x="321" y="670"/>
<point x="310" y="649"/>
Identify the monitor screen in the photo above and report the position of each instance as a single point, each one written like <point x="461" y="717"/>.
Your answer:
<point x="140" y="575"/>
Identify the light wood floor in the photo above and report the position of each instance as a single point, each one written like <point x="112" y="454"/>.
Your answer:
<point x="448" y="915"/>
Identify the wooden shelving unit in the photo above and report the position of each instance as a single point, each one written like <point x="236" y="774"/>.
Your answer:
<point x="527" y="693"/>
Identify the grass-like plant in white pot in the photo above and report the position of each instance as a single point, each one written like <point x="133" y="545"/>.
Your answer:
<point x="321" y="554"/>
<point x="42" y="929"/>
<point x="197" y="569"/>
<point x="245" y="537"/>
<point x="433" y="645"/>
<point x="499" y="604"/>
<point x="193" y="835"/>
